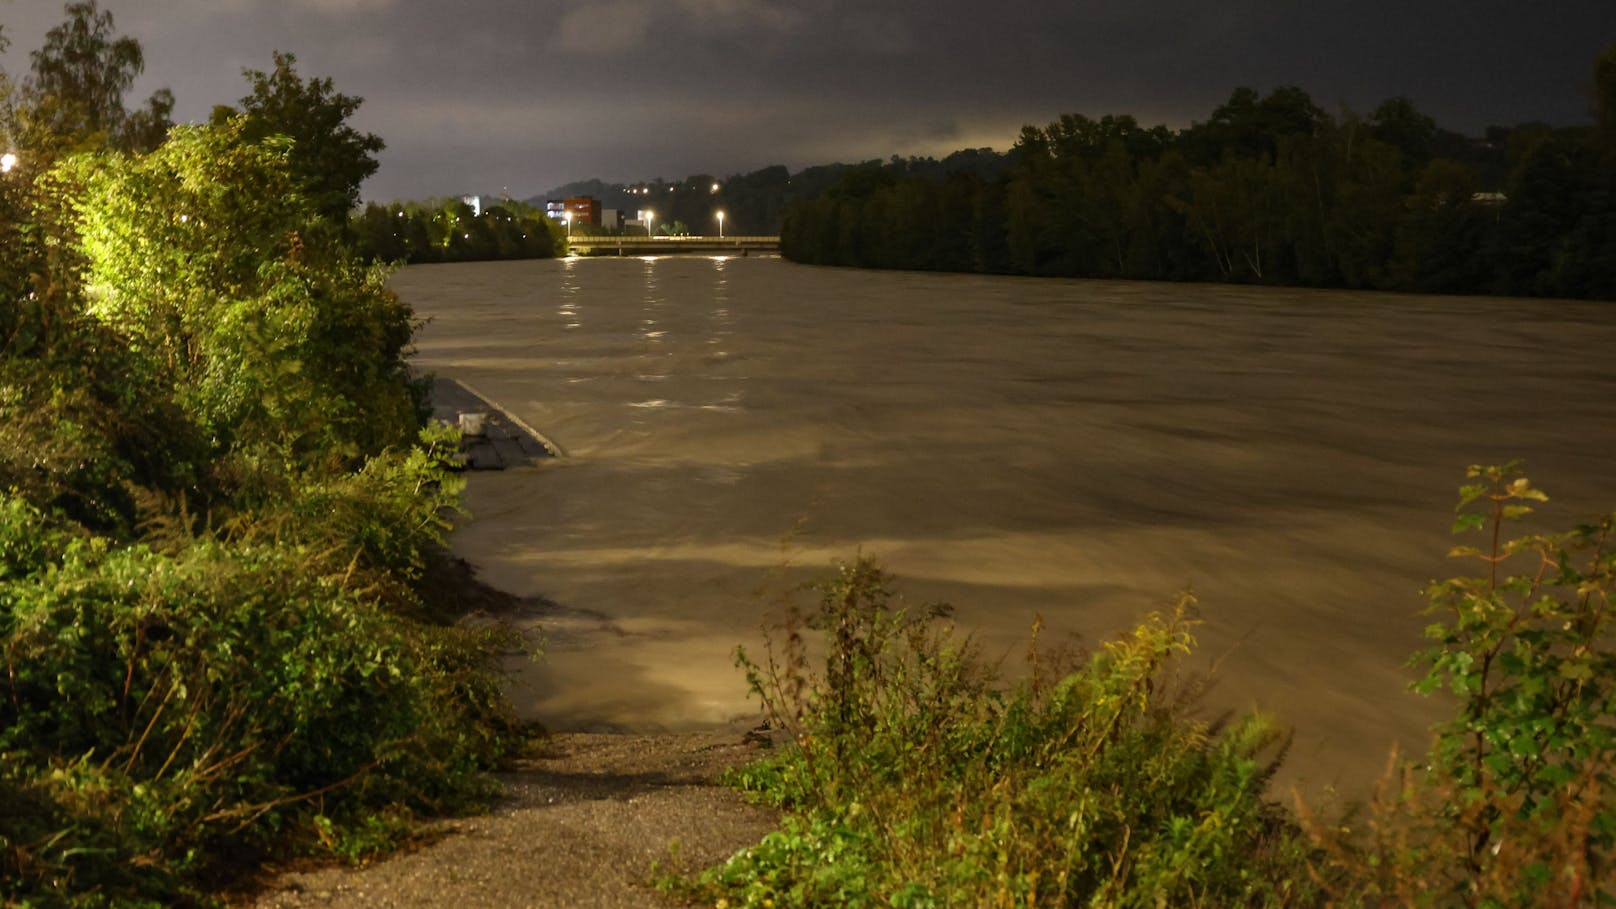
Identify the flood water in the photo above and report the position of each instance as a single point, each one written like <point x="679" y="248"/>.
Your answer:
<point x="1016" y="447"/>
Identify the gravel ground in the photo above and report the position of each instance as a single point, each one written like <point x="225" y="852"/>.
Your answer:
<point x="580" y="825"/>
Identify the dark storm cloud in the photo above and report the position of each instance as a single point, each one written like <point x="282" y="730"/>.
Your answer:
<point x="483" y="95"/>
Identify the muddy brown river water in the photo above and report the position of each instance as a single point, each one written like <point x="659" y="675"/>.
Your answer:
<point x="1016" y="447"/>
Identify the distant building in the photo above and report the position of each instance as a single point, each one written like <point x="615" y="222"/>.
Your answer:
<point x="476" y="203"/>
<point x="611" y="219"/>
<point x="583" y="209"/>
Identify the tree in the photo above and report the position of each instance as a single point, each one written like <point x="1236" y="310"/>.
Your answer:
<point x="271" y="338"/>
<point x="145" y="129"/>
<point x="1442" y="240"/>
<point x="1399" y="124"/>
<point x="329" y="157"/>
<point x="1251" y="126"/>
<point x="1605" y="98"/>
<point x="74" y="95"/>
<point x="1369" y="200"/>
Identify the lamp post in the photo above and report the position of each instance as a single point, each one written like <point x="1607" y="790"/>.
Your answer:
<point x="650" y="223"/>
<point x="720" y="224"/>
<point x="566" y="218"/>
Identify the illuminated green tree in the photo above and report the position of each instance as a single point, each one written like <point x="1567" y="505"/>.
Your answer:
<point x="271" y="337"/>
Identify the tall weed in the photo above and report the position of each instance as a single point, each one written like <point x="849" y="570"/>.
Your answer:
<point x="917" y="778"/>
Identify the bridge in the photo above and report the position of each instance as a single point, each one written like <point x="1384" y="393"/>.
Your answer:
<point x="662" y="246"/>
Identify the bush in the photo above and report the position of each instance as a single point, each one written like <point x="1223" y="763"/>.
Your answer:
<point x="228" y="288"/>
<point x="224" y="694"/>
<point x="915" y="779"/>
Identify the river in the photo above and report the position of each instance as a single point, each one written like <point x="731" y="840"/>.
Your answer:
<point x="1016" y="447"/>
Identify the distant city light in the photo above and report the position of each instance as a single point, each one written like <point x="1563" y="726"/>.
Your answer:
<point x="715" y="187"/>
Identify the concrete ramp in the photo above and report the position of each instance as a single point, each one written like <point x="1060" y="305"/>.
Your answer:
<point x="494" y="439"/>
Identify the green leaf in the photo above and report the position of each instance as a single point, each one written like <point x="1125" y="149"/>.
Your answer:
<point x="1577" y="672"/>
<point x="1466" y="522"/>
<point x="1521" y="489"/>
<point x="1556" y="775"/>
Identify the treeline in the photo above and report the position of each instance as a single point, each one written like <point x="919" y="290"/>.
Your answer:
<point x="451" y="231"/>
<point x="752" y="203"/>
<point x="220" y="502"/>
<point x="1270" y="189"/>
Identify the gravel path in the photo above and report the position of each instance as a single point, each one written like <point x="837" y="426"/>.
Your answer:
<point x="580" y="825"/>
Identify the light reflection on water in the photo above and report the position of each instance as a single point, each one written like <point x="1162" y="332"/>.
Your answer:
<point x="568" y="293"/>
<point x="1079" y="450"/>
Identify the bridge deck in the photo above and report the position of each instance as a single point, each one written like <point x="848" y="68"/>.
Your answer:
<point x="626" y="246"/>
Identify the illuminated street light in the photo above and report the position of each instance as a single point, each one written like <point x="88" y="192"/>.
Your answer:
<point x="720" y="224"/>
<point x="7" y="162"/>
<point x="650" y="222"/>
<point x="715" y="187"/>
<point x="566" y="219"/>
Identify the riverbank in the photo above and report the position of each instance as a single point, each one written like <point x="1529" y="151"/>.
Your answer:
<point x="588" y="821"/>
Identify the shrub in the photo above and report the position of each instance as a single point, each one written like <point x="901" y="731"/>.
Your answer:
<point x="229" y="289"/>
<point x="169" y="704"/>
<point x="916" y="779"/>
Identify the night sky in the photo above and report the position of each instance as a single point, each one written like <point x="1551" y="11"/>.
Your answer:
<point x="520" y="96"/>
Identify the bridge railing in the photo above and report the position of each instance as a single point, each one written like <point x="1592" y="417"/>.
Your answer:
<point x="586" y="240"/>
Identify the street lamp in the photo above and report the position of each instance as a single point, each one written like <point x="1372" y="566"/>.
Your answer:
<point x="7" y="162"/>
<point x="650" y="222"/>
<point x="720" y="224"/>
<point x="566" y="218"/>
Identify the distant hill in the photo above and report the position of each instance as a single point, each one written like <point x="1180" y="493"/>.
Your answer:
<point x="611" y="195"/>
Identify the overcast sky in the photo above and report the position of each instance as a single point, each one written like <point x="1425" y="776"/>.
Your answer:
<point x="523" y="95"/>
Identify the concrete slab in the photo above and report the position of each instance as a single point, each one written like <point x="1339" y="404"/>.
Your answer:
<point x="503" y="441"/>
